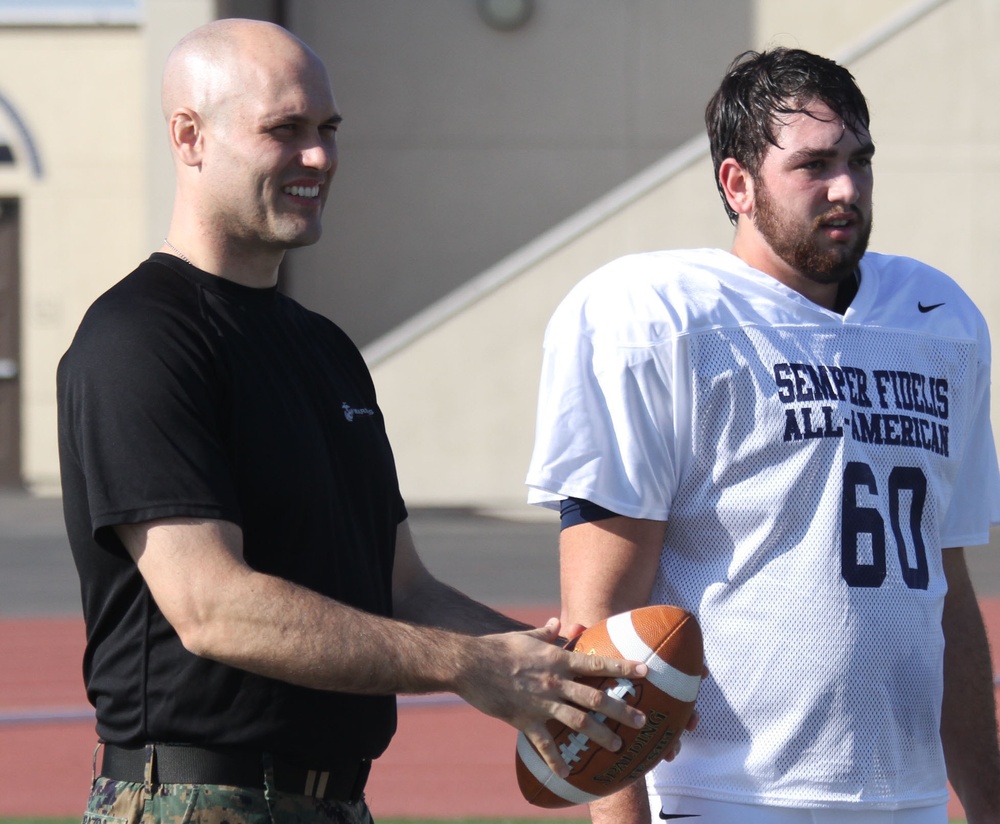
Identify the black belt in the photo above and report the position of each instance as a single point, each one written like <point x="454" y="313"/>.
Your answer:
<point x="182" y="764"/>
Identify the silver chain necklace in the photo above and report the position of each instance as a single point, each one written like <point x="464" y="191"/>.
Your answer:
<point x="178" y="252"/>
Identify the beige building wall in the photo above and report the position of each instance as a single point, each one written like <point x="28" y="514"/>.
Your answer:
<point x="459" y="400"/>
<point x="832" y="30"/>
<point x="84" y="94"/>
<point x="461" y="143"/>
<point x="77" y="91"/>
<point x="458" y="384"/>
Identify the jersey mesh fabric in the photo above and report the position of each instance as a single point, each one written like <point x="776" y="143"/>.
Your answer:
<point x="807" y="464"/>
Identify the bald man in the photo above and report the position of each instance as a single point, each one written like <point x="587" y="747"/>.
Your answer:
<point x="252" y="594"/>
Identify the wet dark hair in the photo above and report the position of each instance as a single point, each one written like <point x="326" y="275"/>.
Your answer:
<point x="761" y="87"/>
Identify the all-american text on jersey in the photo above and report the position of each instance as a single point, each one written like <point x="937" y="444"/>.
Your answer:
<point x="888" y="389"/>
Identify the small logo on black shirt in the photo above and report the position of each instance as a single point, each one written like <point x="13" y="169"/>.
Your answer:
<point x="351" y="411"/>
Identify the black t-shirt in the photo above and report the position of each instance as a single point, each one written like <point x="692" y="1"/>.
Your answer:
<point x="184" y="394"/>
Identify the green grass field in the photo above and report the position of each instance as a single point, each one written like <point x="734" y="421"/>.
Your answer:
<point x="76" y="820"/>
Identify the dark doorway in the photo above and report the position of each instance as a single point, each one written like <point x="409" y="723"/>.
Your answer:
<point x="10" y="344"/>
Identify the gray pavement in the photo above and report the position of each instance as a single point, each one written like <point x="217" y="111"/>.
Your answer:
<point x="500" y="558"/>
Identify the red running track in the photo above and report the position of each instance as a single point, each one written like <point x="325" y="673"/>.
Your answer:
<point x="435" y="766"/>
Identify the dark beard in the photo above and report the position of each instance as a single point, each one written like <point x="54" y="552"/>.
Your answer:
<point x="801" y="251"/>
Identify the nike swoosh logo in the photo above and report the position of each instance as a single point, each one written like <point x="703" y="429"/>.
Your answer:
<point x="665" y="817"/>
<point x="933" y="306"/>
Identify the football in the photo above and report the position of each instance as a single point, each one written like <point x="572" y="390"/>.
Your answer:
<point x="668" y="640"/>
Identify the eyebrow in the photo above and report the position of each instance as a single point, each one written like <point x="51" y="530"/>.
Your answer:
<point x="276" y="120"/>
<point x="865" y="149"/>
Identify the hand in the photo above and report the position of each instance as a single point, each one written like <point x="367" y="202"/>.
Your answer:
<point x="675" y="746"/>
<point x="691" y="726"/>
<point x="523" y="679"/>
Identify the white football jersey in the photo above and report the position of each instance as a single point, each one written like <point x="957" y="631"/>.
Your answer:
<point x="810" y="466"/>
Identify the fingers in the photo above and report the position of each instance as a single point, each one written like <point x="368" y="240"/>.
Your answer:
<point x="674" y="750"/>
<point x="607" y="706"/>
<point x="599" y="666"/>
<point x="527" y="684"/>
<point x="550" y="631"/>
<point x="589" y="731"/>
<point x="675" y="747"/>
<point x="587" y="698"/>
<point x="589" y="719"/>
<point x="543" y="741"/>
<point x="572" y="632"/>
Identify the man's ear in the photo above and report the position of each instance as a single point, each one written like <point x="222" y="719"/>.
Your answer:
<point x="737" y="184"/>
<point x="186" y="137"/>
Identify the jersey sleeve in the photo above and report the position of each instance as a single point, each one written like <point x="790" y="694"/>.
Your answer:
<point x="139" y="419"/>
<point x="975" y="502"/>
<point x="604" y="428"/>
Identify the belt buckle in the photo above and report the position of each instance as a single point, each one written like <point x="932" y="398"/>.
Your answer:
<point x="332" y="784"/>
<point x="316" y="782"/>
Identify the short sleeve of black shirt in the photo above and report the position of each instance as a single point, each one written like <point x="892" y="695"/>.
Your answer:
<point x="144" y="396"/>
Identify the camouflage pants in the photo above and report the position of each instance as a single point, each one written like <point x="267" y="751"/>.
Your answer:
<point x="121" y="802"/>
<point x="124" y="802"/>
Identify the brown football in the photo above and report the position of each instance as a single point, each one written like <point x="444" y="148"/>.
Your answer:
<point x="668" y="640"/>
